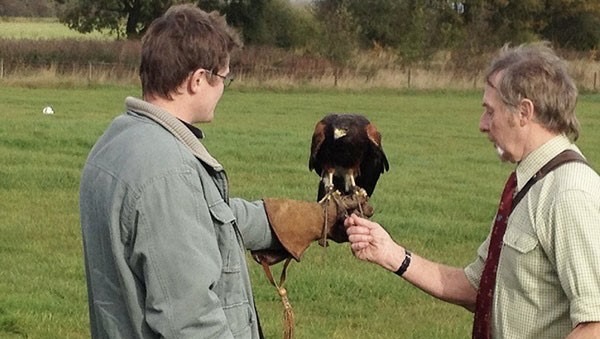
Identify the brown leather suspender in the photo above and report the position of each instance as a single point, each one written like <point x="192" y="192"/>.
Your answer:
<point x="562" y="158"/>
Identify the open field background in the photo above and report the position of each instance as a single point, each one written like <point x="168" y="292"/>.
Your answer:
<point x="437" y="199"/>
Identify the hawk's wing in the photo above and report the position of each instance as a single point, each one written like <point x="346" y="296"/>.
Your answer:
<point x="375" y="138"/>
<point x="317" y="140"/>
<point x="374" y="162"/>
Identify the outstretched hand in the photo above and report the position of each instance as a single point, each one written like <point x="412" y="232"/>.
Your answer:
<point x="369" y="241"/>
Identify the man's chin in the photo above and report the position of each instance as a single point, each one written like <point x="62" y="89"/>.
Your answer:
<point x="505" y="156"/>
<point x="501" y="153"/>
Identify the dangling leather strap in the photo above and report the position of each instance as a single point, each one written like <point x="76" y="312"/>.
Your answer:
<point x="288" y="313"/>
<point x="562" y="158"/>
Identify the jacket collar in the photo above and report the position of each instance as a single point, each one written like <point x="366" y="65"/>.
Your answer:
<point x="175" y="127"/>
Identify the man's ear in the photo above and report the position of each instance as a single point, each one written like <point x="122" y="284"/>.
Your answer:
<point x="195" y="80"/>
<point x="526" y="111"/>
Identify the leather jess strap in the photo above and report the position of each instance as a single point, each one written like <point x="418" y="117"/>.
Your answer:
<point x="562" y="158"/>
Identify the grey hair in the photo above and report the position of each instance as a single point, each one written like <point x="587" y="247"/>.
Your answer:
<point x="535" y="72"/>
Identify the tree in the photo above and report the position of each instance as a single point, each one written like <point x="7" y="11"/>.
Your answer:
<point x="245" y="15"/>
<point x="378" y="22"/>
<point x="339" y="33"/>
<point x="27" y="8"/>
<point x="290" y="27"/>
<point x="125" y="18"/>
<point x="572" y="24"/>
<point x="566" y="23"/>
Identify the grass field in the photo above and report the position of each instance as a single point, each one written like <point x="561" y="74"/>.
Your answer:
<point x="437" y="199"/>
<point x="42" y="28"/>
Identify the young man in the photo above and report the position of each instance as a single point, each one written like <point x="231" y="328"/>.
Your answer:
<point x="163" y="241"/>
<point x="538" y="274"/>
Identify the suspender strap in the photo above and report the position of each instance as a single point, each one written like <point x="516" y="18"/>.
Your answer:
<point x="563" y="158"/>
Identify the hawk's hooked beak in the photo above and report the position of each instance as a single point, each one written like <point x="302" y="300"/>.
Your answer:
<point x="339" y="132"/>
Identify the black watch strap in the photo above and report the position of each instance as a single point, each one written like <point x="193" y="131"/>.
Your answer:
<point x="405" y="263"/>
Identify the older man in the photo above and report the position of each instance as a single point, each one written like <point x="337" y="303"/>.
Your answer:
<point x="537" y="275"/>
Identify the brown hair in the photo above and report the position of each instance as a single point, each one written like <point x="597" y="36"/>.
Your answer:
<point x="181" y="41"/>
<point x="535" y="72"/>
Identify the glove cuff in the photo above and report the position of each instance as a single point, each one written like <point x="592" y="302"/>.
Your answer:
<point x="295" y="223"/>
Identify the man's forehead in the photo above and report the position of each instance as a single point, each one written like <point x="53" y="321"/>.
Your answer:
<point x="494" y="79"/>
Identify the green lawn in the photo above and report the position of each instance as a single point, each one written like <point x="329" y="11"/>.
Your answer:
<point x="42" y="28"/>
<point x="437" y="199"/>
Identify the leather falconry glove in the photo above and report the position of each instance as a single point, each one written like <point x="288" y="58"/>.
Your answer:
<point x="298" y="223"/>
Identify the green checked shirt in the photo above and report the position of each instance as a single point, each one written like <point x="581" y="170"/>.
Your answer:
<point x="549" y="271"/>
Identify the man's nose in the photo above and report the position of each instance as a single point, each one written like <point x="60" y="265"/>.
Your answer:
<point x="484" y="123"/>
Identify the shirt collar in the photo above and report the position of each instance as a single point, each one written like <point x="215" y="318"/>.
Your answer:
<point x="539" y="157"/>
<point x="195" y="130"/>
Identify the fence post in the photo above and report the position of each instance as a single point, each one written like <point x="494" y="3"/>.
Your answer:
<point x="1" y="68"/>
<point x="90" y="71"/>
<point x="595" y="79"/>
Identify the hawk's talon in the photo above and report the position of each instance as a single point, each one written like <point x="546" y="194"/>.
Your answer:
<point x="361" y="192"/>
<point x="329" y="192"/>
<point x="356" y="193"/>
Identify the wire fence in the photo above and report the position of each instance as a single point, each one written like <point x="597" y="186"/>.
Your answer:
<point x="586" y="77"/>
<point x="90" y="70"/>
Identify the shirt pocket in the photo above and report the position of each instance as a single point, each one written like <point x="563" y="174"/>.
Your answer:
<point x="520" y="260"/>
<point x="519" y="240"/>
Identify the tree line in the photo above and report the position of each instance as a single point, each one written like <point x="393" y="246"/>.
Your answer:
<point x="414" y="30"/>
<point x="28" y="8"/>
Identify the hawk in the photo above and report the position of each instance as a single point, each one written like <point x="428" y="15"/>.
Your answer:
<point x="346" y="152"/>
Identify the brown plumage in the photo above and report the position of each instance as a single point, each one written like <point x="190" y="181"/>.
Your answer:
<point x="346" y="152"/>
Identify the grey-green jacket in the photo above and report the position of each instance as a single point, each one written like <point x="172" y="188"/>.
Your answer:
<point x="164" y="255"/>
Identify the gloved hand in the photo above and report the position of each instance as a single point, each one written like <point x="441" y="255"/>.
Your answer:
<point x="298" y="223"/>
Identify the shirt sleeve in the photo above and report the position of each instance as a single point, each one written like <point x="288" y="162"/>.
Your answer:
<point x="576" y="217"/>
<point x="177" y="257"/>
<point x="474" y="270"/>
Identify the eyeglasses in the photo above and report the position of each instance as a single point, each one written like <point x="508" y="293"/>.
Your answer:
<point x="227" y="79"/>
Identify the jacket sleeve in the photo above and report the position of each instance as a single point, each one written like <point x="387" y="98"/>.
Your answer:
<point x="176" y="255"/>
<point x="253" y="224"/>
